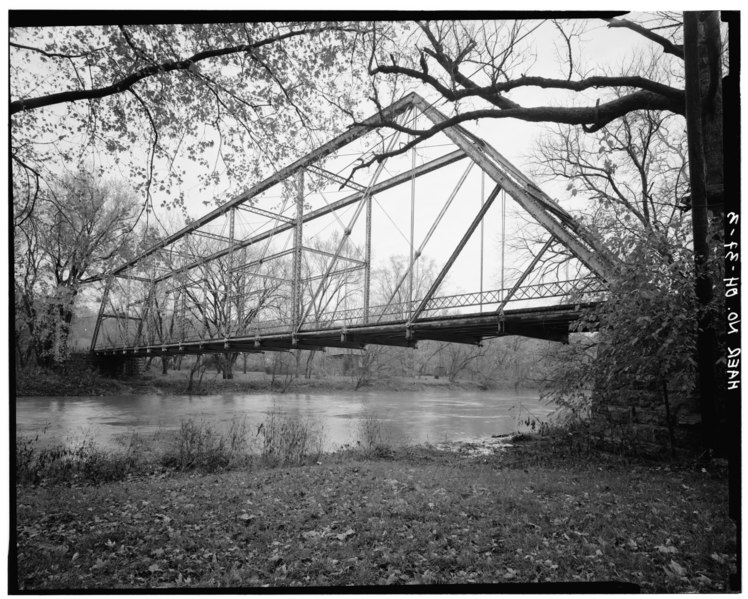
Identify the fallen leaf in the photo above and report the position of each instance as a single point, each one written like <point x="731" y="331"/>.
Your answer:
<point x="99" y="564"/>
<point x="344" y="535"/>
<point x="666" y="549"/>
<point x="247" y="518"/>
<point x="675" y="568"/>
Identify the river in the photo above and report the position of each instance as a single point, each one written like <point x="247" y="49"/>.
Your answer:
<point x="432" y="416"/>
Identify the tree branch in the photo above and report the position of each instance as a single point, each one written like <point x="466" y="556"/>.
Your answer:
<point x="667" y="46"/>
<point x="55" y="54"/>
<point x="164" y="67"/>
<point x="488" y="91"/>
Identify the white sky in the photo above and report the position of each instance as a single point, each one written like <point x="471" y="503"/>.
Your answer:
<point x="514" y="139"/>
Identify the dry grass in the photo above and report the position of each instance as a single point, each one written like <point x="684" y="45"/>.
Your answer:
<point x="421" y="517"/>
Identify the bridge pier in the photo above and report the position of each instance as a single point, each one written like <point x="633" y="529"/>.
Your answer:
<point x="118" y="366"/>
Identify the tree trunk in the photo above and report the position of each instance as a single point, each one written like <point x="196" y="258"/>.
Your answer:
<point x="668" y="417"/>
<point x="696" y="44"/>
<point x="195" y="368"/>
<point x="309" y="364"/>
<point x="164" y="365"/>
<point x="227" y="363"/>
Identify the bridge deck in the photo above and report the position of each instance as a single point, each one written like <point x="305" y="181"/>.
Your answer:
<point x="550" y="323"/>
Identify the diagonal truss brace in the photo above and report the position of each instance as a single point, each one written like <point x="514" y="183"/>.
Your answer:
<point x="564" y="228"/>
<point x="266" y="213"/>
<point x="525" y="274"/>
<point x="434" y="225"/>
<point x="424" y="169"/>
<point x="336" y="178"/>
<point x="470" y="230"/>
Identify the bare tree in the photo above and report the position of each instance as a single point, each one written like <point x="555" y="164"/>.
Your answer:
<point x="79" y="226"/>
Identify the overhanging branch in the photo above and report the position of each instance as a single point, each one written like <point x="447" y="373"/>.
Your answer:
<point x="164" y="67"/>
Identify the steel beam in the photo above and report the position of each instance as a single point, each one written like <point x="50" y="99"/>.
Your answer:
<point x="331" y="146"/>
<point x="367" y="257"/>
<point x="102" y="307"/>
<point x="265" y="213"/>
<point x="466" y="236"/>
<point x="228" y="284"/>
<point x="566" y="230"/>
<point x="347" y="232"/>
<point x="525" y="274"/>
<point x="121" y="316"/>
<point x="297" y="247"/>
<point x="415" y="255"/>
<point x="424" y="169"/>
<point x="213" y="236"/>
<point x="336" y="178"/>
<point x="265" y="259"/>
<point x="330" y="255"/>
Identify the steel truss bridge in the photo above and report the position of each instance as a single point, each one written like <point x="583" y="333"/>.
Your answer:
<point x="249" y="277"/>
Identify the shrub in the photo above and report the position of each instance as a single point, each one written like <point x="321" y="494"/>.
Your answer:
<point x="84" y="462"/>
<point x="372" y="434"/>
<point x="287" y="440"/>
<point x="197" y="446"/>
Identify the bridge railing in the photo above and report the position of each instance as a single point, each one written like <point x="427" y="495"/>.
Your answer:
<point x="591" y="288"/>
<point x="584" y="289"/>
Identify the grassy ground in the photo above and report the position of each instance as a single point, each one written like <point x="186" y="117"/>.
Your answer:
<point x="40" y="382"/>
<point x="386" y="517"/>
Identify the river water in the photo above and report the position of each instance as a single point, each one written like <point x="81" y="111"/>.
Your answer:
<point x="432" y="416"/>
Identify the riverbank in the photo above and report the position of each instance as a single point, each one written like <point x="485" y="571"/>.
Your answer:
<point x="88" y="383"/>
<point x="529" y="512"/>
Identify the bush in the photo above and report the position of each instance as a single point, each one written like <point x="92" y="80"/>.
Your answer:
<point x="372" y="434"/>
<point x="289" y="441"/>
<point x="82" y="463"/>
<point x="198" y="446"/>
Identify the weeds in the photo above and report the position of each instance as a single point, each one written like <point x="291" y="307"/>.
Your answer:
<point x="289" y="441"/>
<point x="373" y="438"/>
<point x="84" y="462"/>
<point x="198" y="446"/>
<point x="279" y="440"/>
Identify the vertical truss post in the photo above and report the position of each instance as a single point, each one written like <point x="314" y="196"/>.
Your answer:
<point x="182" y="312"/>
<point x="297" y="246"/>
<point x="347" y="232"/>
<point x="455" y="253"/>
<point x="162" y="317"/>
<point x="145" y="314"/>
<point x="505" y="298"/>
<point x="174" y="315"/>
<point x="562" y="226"/>
<point x="99" y="318"/>
<point x="204" y="332"/>
<point x="229" y="283"/>
<point x="412" y="225"/>
<point x="419" y="251"/>
<point x="503" y="240"/>
<point x="482" y="199"/>
<point x="241" y="289"/>
<point x="127" y="311"/>
<point x="367" y="259"/>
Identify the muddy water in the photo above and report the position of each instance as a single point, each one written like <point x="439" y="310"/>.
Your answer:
<point x="407" y="417"/>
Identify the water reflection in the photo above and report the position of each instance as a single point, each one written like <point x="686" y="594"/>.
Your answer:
<point x="408" y="417"/>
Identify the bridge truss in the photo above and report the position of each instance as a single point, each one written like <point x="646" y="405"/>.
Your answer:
<point x="286" y="266"/>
